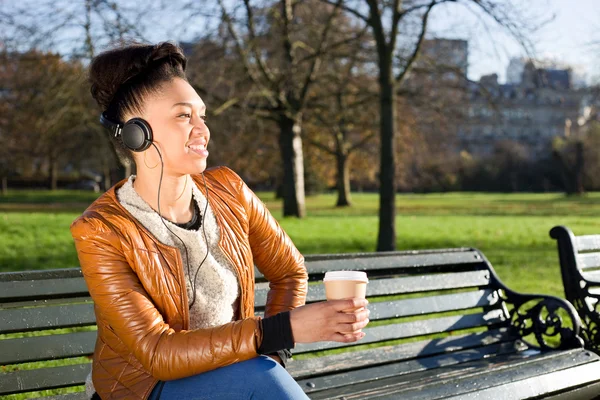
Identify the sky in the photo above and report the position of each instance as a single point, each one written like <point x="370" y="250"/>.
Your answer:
<point x="567" y="36"/>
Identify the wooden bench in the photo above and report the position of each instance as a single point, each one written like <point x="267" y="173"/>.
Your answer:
<point x="443" y="325"/>
<point x="580" y="269"/>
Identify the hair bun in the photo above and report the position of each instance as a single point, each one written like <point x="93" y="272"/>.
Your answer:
<point x="126" y="63"/>
<point x="167" y="51"/>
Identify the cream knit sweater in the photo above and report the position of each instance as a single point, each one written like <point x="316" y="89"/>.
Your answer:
<point x="216" y="284"/>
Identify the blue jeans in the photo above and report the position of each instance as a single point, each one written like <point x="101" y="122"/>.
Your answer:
<point x="255" y="379"/>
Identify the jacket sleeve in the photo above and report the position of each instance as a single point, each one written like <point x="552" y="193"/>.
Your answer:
<point x="124" y="306"/>
<point x="275" y="255"/>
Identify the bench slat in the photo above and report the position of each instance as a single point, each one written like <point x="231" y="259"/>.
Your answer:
<point x="41" y="379"/>
<point x="392" y="260"/>
<point x="462" y="378"/>
<point x="338" y="380"/>
<point x="433" y="304"/>
<point x="383" y="355"/>
<point x="587" y="242"/>
<point x="583" y="377"/>
<point x="412" y="329"/>
<point x="593" y="276"/>
<point x="590" y="260"/>
<point x="385" y="287"/>
<point x="37" y="275"/>
<point x="521" y="377"/>
<point x="405" y="261"/>
<point x="595" y="291"/>
<point x="68" y="396"/>
<point x="43" y="289"/>
<point x="39" y="348"/>
<point x="30" y="319"/>
<point x="429" y="305"/>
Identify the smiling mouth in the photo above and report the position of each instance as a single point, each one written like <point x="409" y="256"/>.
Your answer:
<point x="199" y="149"/>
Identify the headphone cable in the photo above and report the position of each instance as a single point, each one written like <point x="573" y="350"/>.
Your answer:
<point x="187" y="260"/>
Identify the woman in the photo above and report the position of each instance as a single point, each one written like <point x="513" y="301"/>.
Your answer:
<point x="168" y="255"/>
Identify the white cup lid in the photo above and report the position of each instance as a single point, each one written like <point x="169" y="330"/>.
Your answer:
<point x="346" y="276"/>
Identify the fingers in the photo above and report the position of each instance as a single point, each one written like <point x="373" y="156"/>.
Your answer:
<point x="349" y="304"/>
<point x="348" y="337"/>
<point x="355" y="327"/>
<point x="352" y="317"/>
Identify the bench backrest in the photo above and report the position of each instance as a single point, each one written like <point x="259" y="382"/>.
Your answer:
<point x="580" y="269"/>
<point x="423" y="304"/>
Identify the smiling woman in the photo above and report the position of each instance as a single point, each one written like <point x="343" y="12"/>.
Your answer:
<point x="168" y="254"/>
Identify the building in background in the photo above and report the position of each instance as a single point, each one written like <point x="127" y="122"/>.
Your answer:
<point x="444" y="61"/>
<point x="531" y="111"/>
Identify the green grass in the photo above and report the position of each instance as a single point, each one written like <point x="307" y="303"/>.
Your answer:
<point x="511" y="229"/>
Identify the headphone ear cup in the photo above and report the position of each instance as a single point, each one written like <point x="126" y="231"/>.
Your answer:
<point x="136" y="134"/>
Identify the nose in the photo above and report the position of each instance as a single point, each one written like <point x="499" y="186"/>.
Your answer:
<point x="200" y="126"/>
<point x="198" y="121"/>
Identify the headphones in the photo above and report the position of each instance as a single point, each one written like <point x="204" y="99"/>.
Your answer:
<point x="135" y="134"/>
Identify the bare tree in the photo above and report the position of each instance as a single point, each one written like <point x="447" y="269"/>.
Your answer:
<point x="398" y="42"/>
<point x="282" y="58"/>
<point x="344" y="120"/>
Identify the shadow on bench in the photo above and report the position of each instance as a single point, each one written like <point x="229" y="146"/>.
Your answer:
<point x="443" y="325"/>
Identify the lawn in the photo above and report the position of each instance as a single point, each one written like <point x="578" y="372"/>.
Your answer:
<point x="511" y="229"/>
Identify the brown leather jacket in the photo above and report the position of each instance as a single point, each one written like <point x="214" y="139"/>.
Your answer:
<point x="138" y="288"/>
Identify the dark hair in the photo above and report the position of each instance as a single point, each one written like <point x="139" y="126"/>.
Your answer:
<point x="123" y="77"/>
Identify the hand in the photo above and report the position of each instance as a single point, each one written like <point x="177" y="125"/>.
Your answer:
<point x="333" y="320"/>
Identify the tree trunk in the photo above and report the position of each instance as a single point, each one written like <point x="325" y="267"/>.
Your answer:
<point x="386" y="240"/>
<point x="53" y="174"/>
<point x="4" y="186"/>
<point x="563" y="171"/>
<point x="343" y="180"/>
<point x="290" y="144"/>
<point x="579" y="164"/>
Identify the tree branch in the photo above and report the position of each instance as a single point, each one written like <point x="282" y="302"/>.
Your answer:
<point x="396" y="16"/>
<point x="360" y="144"/>
<point x="335" y="45"/>
<point x="310" y="76"/>
<point x="321" y="146"/>
<point x="352" y="11"/>
<point x="243" y="55"/>
<point x="260" y="62"/>
<point x="402" y="74"/>
<point x="378" y="31"/>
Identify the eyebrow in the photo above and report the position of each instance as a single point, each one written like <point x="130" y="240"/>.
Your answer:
<point x="187" y="105"/>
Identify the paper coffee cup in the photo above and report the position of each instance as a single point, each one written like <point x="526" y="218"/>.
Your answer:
<point x="345" y="284"/>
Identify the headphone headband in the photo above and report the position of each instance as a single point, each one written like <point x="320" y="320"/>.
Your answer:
<point x="114" y="127"/>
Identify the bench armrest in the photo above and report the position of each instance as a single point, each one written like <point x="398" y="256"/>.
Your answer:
<point x="542" y="321"/>
<point x="588" y="308"/>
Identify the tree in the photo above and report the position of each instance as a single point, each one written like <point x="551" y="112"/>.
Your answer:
<point x="346" y="122"/>
<point x="79" y="28"/>
<point x="283" y="72"/>
<point x="396" y="57"/>
<point x="45" y="109"/>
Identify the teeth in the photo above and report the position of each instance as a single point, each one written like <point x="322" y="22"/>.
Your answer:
<point x="197" y="147"/>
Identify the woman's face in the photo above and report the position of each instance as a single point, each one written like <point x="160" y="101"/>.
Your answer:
<point x="177" y="117"/>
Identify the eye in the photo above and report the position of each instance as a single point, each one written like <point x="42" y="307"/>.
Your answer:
<point x="185" y="115"/>
<point x="204" y="117"/>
